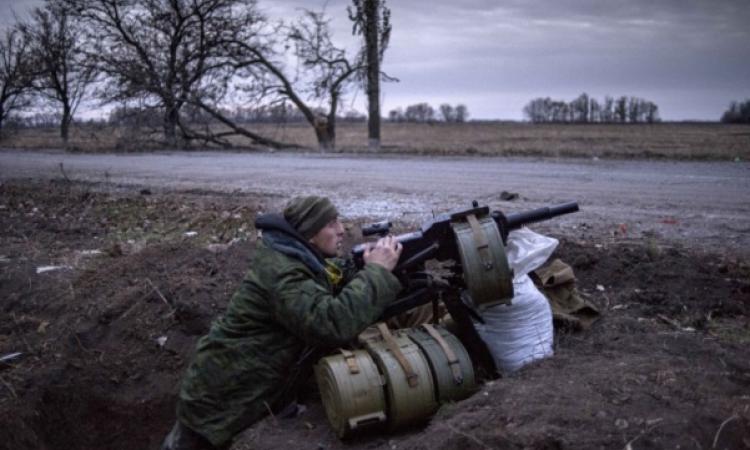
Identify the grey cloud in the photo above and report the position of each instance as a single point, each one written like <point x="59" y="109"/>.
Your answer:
<point x="11" y="8"/>
<point x="565" y="47"/>
<point x="689" y="56"/>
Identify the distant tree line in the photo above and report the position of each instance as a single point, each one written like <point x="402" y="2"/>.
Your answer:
<point x="423" y="112"/>
<point x="738" y="112"/>
<point x="585" y="109"/>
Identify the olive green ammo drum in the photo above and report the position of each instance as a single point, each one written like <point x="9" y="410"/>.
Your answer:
<point x="352" y="391"/>
<point x="449" y="361"/>
<point x="410" y="392"/>
<point x="399" y="379"/>
<point x="488" y="276"/>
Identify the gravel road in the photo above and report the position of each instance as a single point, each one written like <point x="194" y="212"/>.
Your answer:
<point x="697" y="204"/>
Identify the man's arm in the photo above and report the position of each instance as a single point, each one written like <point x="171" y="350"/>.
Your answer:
<point x="308" y="310"/>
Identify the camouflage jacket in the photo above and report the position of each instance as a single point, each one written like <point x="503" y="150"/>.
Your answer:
<point x="248" y="362"/>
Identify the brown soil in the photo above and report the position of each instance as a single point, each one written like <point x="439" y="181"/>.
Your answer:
<point x="668" y="364"/>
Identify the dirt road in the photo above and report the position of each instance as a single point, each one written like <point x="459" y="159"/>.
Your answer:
<point x="701" y="204"/>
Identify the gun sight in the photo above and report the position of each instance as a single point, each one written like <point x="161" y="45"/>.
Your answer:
<point x="381" y="228"/>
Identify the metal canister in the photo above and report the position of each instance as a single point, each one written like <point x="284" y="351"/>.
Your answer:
<point x="410" y="396"/>
<point x="486" y="271"/>
<point x="352" y="392"/>
<point x="451" y="367"/>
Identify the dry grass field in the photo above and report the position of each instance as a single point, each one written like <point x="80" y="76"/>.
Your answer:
<point x="663" y="140"/>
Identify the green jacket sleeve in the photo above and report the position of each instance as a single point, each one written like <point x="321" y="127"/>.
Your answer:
<point x="308" y="309"/>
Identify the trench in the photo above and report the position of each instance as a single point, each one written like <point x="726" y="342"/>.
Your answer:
<point x="83" y="417"/>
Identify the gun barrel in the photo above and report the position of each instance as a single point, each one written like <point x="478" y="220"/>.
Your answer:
<point x="517" y="220"/>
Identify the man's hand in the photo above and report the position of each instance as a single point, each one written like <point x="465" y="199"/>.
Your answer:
<point x="385" y="252"/>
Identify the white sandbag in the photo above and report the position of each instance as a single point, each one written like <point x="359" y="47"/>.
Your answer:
<point x="521" y="332"/>
<point x="528" y="251"/>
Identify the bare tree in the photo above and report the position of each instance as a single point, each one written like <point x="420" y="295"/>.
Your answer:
<point x="579" y="108"/>
<point x="419" y="112"/>
<point x="207" y="53"/>
<point x="447" y="113"/>
<point x="15" y="74"/>
<point x="608" y="114"/>
<point x="621" y="109"/>
<point x="372" y="20"/>
<point x="324" y="73"/>
<point x="634" y="109"/>
<point x="457" y="114"/>
<point x="595" y="110"/>
<point x="332" y="73"/>
<point x="166" y="51"/>
<point x="538" y="110"/>
<point x="396" y="115"/>
<point x="60" y="75"/>
<point x="738" y="112"/>
<point x="461" y="113"/>
<point x="651" y="112"/>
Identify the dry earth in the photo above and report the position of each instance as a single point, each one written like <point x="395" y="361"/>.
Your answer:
<point x="667" y="366"/>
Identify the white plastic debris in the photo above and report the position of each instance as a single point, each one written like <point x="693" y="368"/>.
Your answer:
<point x="600" y="288"/>
<point x="10" y="356"/>
<point x="90" y="252"/>
<point x="191" y="233"/>
<point x="521" y="332"/>
<point x="43" y="269"/>
<point x="161" y="340"/>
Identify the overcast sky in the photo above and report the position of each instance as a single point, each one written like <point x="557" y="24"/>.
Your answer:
<point x="690" y="57"/>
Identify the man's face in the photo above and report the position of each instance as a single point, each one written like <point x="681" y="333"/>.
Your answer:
<point x="330" y="239"/>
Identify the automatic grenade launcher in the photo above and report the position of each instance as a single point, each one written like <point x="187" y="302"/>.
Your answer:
<point x="474" y="239"/>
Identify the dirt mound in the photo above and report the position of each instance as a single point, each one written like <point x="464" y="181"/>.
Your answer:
<point x="106" y="335"/>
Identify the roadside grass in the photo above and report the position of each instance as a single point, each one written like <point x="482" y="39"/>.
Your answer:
<point x="142" y="220"/>
<point x="703" y="141"/>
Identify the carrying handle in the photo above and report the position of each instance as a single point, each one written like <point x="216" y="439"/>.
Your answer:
<point x="453" y="362"/>
<point x="480" y="240"/>
<point x="351" y="360"/>
<point x="411" y="377"/>
<point x="366" y="419"/>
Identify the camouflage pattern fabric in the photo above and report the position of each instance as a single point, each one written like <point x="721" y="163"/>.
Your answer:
<point x="247" y="364"/>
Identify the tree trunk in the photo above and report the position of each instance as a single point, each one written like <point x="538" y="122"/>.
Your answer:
<point x="325" y="131"/>
<point x="65" y="123"/>
<point x="170" y="125"/>
<point x="372" y="8"/>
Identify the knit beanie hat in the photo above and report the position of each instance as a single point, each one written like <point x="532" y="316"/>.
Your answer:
<point x="308" y="215"/>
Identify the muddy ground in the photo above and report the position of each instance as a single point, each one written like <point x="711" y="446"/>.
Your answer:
<point x="138" y="277"/>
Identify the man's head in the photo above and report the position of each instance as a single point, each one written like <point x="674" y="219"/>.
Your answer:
<point x="316" y="219"/>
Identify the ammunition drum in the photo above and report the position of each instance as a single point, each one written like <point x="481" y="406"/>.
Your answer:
<point x="400" y="378"/>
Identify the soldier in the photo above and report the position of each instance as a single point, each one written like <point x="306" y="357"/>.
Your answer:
<point x="292" y="303"/>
